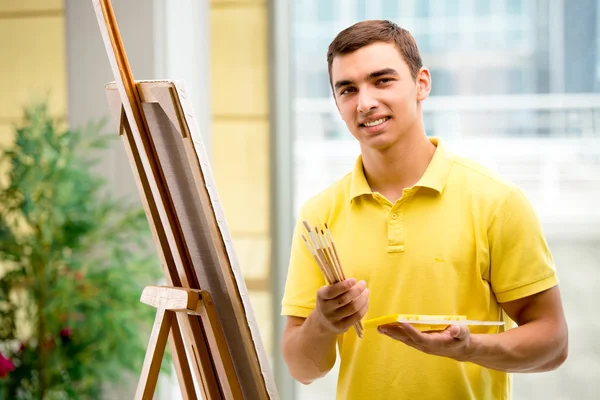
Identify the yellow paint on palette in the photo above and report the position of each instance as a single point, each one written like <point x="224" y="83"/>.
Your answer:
<point x="413" y="320"/>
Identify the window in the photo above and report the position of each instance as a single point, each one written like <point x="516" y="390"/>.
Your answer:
<point x="514" y="7"/>
<point x="453" y="8"/>
<point x="442" y="83"/>
<point x="422" y="8"/>
<point x="424" y="42"/>
<point x="324" y="10"/>
<point x="390" y="9"/>
<point x="362" y="10"/>
<point x="482" y="7"/>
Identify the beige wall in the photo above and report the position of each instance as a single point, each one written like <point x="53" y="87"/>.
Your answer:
<point x="240" y="140"/>
<point x="32" y="60"/>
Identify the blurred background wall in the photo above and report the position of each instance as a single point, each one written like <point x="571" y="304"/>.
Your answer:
<point x="32" y="59"/>
<point x="516" y="85"/>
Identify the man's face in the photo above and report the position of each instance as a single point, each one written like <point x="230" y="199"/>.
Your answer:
<point x="376" y="95"/>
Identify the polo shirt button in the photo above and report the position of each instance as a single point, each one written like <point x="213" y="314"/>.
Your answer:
<point x="394" y="216"/>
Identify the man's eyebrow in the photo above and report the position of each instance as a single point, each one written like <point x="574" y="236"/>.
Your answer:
<point x="372" y="75"/>
<point x="341" y="83"/>
<point x="382" y="72"/>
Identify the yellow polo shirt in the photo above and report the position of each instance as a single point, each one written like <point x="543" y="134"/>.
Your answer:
<point x="459" y="242"/>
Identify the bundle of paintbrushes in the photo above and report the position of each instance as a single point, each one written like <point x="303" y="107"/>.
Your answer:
<point x="321" y="246"/>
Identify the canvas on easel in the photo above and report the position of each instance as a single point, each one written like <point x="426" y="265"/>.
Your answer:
<point x="205" y="310"/>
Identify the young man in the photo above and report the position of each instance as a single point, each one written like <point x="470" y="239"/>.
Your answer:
<point x="418" y="231"/>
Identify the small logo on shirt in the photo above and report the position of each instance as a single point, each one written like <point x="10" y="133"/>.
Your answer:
<point x="438" y="259"/>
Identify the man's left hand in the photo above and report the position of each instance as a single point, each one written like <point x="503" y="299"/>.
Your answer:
<point x="453" y="342"/>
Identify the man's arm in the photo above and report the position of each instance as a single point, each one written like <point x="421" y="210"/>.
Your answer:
<point x="308" y="345"/>
<point x="538" y="344"/>
<point x="308" y="351"/>
<point x="519" y="255"/>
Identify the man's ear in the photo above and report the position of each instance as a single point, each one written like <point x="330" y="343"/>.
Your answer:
<point x="423" y="82"/>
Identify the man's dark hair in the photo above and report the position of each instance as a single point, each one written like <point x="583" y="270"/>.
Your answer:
<point x="365" y="33"/>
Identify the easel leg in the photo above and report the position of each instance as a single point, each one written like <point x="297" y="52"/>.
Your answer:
<point x="204" y="364"/>
<point x="154" y="355"/>
<point x="215" y="339"/>
<point x="180" y="359"/>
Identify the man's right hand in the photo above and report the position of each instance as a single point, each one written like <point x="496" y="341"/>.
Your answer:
<point x="341" y="305"/>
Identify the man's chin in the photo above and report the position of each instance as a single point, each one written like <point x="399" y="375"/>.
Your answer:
<point x="378" y="142"/>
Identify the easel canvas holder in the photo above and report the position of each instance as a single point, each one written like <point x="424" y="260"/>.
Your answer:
<point x="205" y="310"/>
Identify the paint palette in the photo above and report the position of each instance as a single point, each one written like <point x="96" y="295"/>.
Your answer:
<point x="427" y="322"/>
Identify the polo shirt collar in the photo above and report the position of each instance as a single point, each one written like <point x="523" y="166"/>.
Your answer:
<point x="358" y="182"/>
<point x="435" y="176"/>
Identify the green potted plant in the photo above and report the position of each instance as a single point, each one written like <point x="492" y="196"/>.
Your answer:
<point x="73" y="263"/>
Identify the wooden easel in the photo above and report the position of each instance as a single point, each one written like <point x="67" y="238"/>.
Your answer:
<point x="173" y="306"/>
<point x="204" y="309"/>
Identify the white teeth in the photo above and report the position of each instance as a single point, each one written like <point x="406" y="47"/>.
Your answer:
<point x="376" y="122"/>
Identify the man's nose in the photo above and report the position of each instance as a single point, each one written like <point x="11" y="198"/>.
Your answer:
<point x="366" y="101"/>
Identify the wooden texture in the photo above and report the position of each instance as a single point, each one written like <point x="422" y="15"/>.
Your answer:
<point x="206" y="238"/>
<point x="146" y="171"/>
<point x="183" y="371"/>
<point x="218" y="344"/>
<point x="154" y="355"/>
<point x="174" y="178"/>
<point x="201" y="364"/>
<point x="170" y="298"/>
<point x="173" y="308"/>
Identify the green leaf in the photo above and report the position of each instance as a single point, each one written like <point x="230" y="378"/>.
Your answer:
<point x="80" y="260"/>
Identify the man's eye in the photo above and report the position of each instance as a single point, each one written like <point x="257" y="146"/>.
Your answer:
<point x="385" y="80"/>
<point x="346" y="91"/>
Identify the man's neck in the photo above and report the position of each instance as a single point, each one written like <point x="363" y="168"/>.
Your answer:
<point x="401" y="166"/>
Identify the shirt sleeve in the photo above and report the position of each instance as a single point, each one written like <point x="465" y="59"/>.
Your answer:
<point x="520" y="261"/>
<point x="304" y="278"/>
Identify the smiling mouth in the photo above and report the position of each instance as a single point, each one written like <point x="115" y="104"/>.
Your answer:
<point x="375" y="123"/>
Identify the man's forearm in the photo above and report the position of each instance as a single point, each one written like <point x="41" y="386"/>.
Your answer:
<point x="309" y="352"/>
<point x="534" y="347"/>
